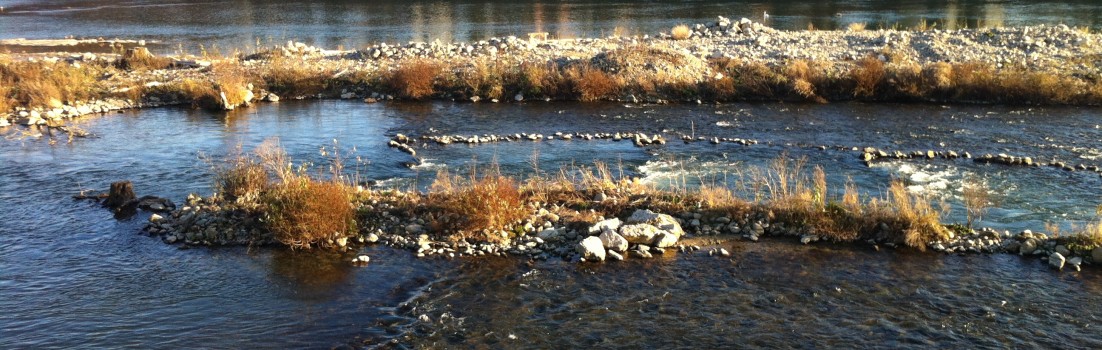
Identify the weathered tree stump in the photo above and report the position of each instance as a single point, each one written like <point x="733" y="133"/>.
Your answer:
<point x="121" y="193"/>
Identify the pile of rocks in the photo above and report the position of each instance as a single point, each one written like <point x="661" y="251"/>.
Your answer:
<point x="1026" y="243"/>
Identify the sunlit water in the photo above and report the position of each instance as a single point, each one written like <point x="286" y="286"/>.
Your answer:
<point x="71" y="275"/>
<point x="223" y="26"/>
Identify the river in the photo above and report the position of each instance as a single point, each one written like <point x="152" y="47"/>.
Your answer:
<point x="197" y="26"/>
<point x="71" y="275"/>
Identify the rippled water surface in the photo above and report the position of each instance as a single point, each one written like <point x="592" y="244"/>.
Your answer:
<point x="71" y="275"/>
<point x="228" y="25"/>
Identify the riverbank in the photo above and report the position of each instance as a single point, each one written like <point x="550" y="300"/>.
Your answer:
<point x="717" y="62"/>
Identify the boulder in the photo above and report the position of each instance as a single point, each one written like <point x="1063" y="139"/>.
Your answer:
<point x="639" y="233"/>
<point x="1056" y="260"/>
<point x="613" y="241"/>
<point x="591" y="249"/>
<point x="615" y="256"/>
<point x="605" y="225"/>
<point x="662" y="221"/>
<point x="549" y="234"/>
<point x="665" y="240"/>
<point x="1063" y="250"/>
<point x="1027" y="247"/>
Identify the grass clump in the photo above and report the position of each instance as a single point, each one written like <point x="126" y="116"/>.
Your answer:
<point x="139" y="58"/>
<point x="591" y="83"/>
<point x="681" y="32"/>
<point x="477" y="207"/>
<point x="300" y="211"/>
<point x="415" y="80"/>
<point x="46" y="84"/>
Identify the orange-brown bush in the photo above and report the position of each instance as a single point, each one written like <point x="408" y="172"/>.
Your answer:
<point x="415" y="80"/>
<point x="478" y="206"/>
<point x="241" y="178"/>
<point x="538" y="79"/>
<point x="868" y="75"/>
<point x="591" y="83"/>
<point x="302" y="212"/>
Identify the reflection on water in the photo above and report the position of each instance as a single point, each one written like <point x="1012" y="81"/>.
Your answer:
<point x="228" y="25"/>
<point x="310" y="274"/>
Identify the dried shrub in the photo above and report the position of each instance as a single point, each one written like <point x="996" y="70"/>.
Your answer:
<point x="539" y="79"/>
<point x="415" y="80"/>
<point x="241" y="178"/>
<point x="914" y="216"/>
<point x="681" y="32"/>
<point x="479" y="206"/>
<point x="139" y="59"/>
<point x="976" y="197"/>
<point x="590" y="83"/>
<point x="856" y="27"/>
<point x="868" y="75"/>
<point x="482" y="78"/>
<point x="939" y="75"/>
<point x="302" y="212"/>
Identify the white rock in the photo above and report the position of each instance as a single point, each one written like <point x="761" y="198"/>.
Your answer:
<point x="613" y="241"/>
<point x="639" y="233"/>
<point x="1056" y="260"/>
<point x="662" y="221"/>
<point x="665" y="240"/>
<point x="342" y="242"/>
<point x="155" y="218"/>
<point x="549" y="234"/>
<point x="724" y="252"/>
<point x="605" y="225"/>
<point x="612" y="255"/>
<point x="591" y="249"/>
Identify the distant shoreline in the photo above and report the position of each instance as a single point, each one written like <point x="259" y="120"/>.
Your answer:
<point x="722" y="61"/>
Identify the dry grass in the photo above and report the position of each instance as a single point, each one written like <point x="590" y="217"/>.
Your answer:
<point x="415" y="80"/>
<point x="681" y="32"/>
<point x="976" y="197"/>
<point x="140" y="59"/>
<point x="868" y="75"/>
<point x="288" y="77"/>
<point x="478" y="206"/>
<point x="592" y="84"/>
<point x="856" y="27"/>
<point x="483" y="77"/>
<point x="45" y="84"/>
<point x="299" y="210"/>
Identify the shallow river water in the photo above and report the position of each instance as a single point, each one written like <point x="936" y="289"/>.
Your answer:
<point x="71" y="275"/>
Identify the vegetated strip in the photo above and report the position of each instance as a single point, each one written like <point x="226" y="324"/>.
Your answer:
<point x="574" y="214"/>
<point x="719" y="61"/>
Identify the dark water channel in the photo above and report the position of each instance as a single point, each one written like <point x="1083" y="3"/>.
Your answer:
<point x="73" y="276"/>
<point x="224" y="26"/>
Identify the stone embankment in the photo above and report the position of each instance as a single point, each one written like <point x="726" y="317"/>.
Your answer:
<point x="1055" y="49"/>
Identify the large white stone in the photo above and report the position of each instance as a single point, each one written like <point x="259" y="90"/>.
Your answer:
<point x="605" y="225"/>
<point x="662" y="221"/>
<point x="614" y="241"/>
<point x="639" y="233"/>
<point x="591" y="249"/>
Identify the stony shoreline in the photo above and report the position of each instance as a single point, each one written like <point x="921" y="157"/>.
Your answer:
<point x="545" y="234"/>
<point x="650" y="69"/>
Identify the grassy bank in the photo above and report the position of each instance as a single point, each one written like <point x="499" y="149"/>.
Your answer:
<point x="648" y="71"/>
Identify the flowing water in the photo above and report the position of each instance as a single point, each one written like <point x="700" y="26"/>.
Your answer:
<point x="223" y="26"/>
<point x="72" y="275"/>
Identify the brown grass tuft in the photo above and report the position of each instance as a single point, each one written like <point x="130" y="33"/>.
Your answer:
<point x="681" y="32"/>
<point x="139" y="58"/>
<point x="415" y="80"/>
<point x="478" y="206"/>
<point x="288" y="77"/>
<point x="591" y="83"/>
<point x="305" y="213"/>
<point x="856" y="27"/>
<point x="868" y="75"/>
